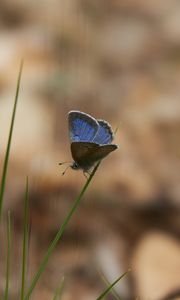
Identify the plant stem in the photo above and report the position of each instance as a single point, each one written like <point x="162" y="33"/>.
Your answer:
<point x="111" y="286"/>
<point x="6" y="160"/>
<point x="114" y="293"/>
<point x="8" y="256"/>
<point x="58" y="235"/>
<point x="59" y="289"/>
<point x="25" y="239"/>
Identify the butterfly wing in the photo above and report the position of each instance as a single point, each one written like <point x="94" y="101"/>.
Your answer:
<point x="86" y="154"/>
<point x="104" y="134"/>
<point x="82" y="127"/>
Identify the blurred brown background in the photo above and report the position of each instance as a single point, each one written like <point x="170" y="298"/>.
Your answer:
<point x="119" y="61"/>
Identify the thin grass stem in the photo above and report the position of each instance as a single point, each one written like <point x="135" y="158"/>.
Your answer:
<point x="59" y="290"/>
<point x="114" y="293"/>
<point x="25" y="240"/>
<point x="111" y="286"/>
<point x="6" y="294"/>
<point x="6" y="160"/>
<point x="58" y="236"/>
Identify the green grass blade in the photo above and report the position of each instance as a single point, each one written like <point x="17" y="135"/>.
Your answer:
<point x="58" y="236"/>
<point x="111" y="286"/>
<point x="6" y="160"/>
<point x="6" y="294"/>
<point x="113" y="292"/>
<point x="25" y="240"/>
<point x="59" y="290"/>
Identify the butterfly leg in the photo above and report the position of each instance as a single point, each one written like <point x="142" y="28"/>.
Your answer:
<point x="88" y="173"/>
<point x="85" y="174"/>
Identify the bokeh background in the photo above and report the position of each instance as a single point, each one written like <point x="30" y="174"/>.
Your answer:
<point x="119" y="61"/>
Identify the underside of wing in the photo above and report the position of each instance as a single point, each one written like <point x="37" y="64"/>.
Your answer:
<point x="81" y="150"/>
<point x="86" y="154"/>
<point x="103" y="151"/>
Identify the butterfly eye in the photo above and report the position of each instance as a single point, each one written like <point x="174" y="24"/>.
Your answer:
<point x="75" y="166"/>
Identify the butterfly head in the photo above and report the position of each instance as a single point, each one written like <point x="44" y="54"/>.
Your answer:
<point x="75" y="166"/>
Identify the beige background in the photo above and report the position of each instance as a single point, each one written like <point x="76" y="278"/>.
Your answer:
<point x="119" y="61"/>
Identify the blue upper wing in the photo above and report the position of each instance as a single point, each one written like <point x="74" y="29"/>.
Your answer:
<point x="104" y="134"/>
<point x="82" y="127"/>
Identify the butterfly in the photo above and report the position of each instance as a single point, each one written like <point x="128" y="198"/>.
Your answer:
<point x="91" y="140"/>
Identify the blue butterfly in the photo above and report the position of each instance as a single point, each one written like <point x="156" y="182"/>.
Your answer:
<point x="90" y="140"/>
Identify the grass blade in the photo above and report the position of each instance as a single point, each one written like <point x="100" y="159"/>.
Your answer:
<point x="59" y="290"/>
<point x="58" y="235"/>
<point x="111" y="286"/>
<point x="25" y="240"/>
<point x="6" y="294"/>
<point x="113" y="292"/>
<point x="6" y="160"/>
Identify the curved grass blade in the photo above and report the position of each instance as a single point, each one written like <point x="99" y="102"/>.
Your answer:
<point x="6" y="160"/>
<point x="111" y="286"/>
<point x="6" y="294"/>
<point x="59" y="290"/>
<point x="58" y="235"/>
<point x="25" y="240"/>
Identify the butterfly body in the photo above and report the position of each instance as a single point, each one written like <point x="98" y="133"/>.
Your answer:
<point x="90" y="140"/>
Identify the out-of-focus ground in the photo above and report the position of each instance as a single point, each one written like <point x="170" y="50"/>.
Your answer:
<point x="119" y="61"/>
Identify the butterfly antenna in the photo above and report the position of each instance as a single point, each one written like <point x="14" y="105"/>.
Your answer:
<point x="64" y="162"/>
<point x="65" y="170"/>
